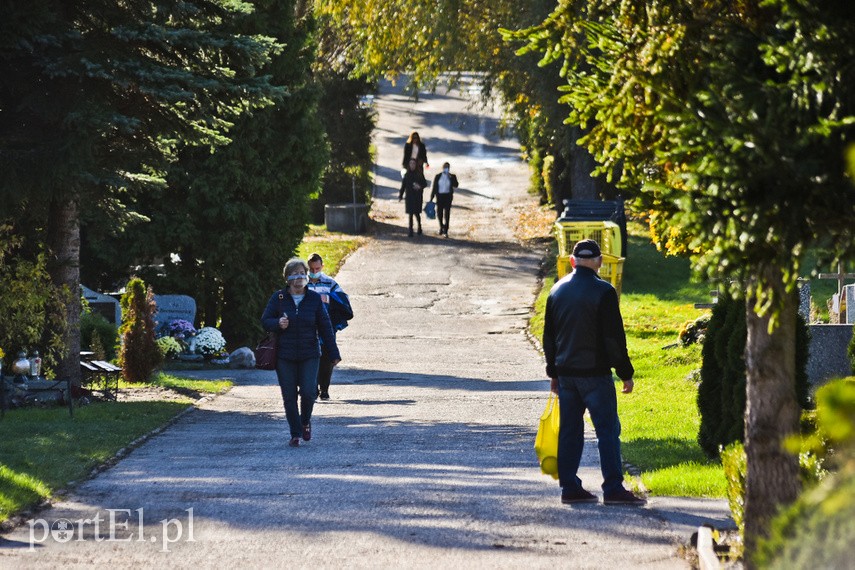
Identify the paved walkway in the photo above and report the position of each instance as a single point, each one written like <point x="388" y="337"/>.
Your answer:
<point x="423" y="458"/>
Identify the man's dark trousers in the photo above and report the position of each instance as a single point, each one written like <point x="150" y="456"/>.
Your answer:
<point x="443" y="211"/>
<point x="325" y="370"/>
<point x="598" y="395"/>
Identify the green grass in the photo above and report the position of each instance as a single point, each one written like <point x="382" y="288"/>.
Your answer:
<point x="44" y="449"/>
<point x="333" y="247"/>
<point x="190" y="385"/>
<point x="187" y="386"/>
<point x="660" y="418"/>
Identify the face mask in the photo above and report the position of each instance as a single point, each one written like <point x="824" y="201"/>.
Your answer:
<point x="445" y="170"/>
<point x="314" y="275"/>
<point x="299" y="281"/>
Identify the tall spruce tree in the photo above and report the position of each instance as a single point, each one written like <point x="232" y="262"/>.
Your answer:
<point x="227" y="220"/>
<point x="96" y="97"/>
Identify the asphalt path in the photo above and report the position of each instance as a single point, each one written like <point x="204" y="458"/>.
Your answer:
<point x="423" y="457"/>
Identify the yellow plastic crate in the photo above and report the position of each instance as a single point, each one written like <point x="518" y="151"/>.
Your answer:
<point x="611" y="271"/>
<point x="607" y="234"/>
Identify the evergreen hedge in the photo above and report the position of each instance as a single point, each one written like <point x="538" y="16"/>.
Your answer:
<point x="721" y="393"/>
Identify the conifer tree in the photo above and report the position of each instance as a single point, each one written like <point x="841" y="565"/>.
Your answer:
<point x="244" y="207"/>
<point x="139" y="354"/>
<point x="98" y="96"/>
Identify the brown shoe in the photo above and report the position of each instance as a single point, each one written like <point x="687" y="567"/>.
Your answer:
<point x="307" y="432"/>
<point x="623" y="497"/>
<point x="295" y="442"/>
<point x="580" y="496"/>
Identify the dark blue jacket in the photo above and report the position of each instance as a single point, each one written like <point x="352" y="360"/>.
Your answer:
<point x="306" y="324"/>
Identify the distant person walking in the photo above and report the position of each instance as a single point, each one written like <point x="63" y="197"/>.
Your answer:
<point x="299" y="317"/>
<point x="415" y="149"/>
<point x="413" y="187"/>
<point x="583" y="339"/>
<point x="338" y="307"/>
<point x="442" y="188"/>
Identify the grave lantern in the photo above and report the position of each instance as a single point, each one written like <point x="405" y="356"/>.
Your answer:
<point x="20" y="368"/>
<point x="35" y="365"/>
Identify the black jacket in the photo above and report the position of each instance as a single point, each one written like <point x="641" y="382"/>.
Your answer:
<point x="435" y="186"/>
<point x="583" y="330"/>
<point x="421" y="155"/>
<point x="413" y="186"/>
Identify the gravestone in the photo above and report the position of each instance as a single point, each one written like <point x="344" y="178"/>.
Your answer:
<point x="104" y="305"/>
<point x="849" y="295"/>
<point x="827" y="357"/>
<point x="171" y="307"/>
<point x="804" y="300"/>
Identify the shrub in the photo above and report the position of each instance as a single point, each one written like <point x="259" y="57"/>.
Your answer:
<point x="209" y="341"/>
<point x="721" y="393"/>
<point x="694" y="331"/>
<point x="818" y="530"/>
<point x="32" y="308"/>
<point x="548" y="176"/>
<point x="139" y="355"/>
<point x="733" y="461"/>
<point x="710" y="389"/>
<point x="169" y="347"/>
<point x="95" y="329"/>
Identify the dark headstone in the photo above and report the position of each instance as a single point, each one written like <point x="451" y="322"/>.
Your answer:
<point x="828" y="358"/>
<point x="104" y="305"/>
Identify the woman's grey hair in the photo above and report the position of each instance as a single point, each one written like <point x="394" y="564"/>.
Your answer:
<point x="292" y="265"/>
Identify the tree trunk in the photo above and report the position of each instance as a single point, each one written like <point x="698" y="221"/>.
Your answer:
<point x="584" y="186"/>
<point x="64" y="242"/>
<point x="771" y="415"/>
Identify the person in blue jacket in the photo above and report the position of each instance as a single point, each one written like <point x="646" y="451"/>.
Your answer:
<point x="300" y="318"/>
<point x="339" y="309"/>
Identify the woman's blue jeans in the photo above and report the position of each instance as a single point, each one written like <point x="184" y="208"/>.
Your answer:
<point x="596" y="394"/>
<point x="291" y="374"/>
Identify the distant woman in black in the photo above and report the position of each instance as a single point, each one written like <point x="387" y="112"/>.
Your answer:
<point x="416" y="150"/>
<point x="413" y="187"/>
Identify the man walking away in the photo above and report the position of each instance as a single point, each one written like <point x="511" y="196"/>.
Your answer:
<point x="338" y="307"/>
<point x="583" y="339"/>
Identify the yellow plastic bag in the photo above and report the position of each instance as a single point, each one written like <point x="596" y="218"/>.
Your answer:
<point x="546" y="442"/>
